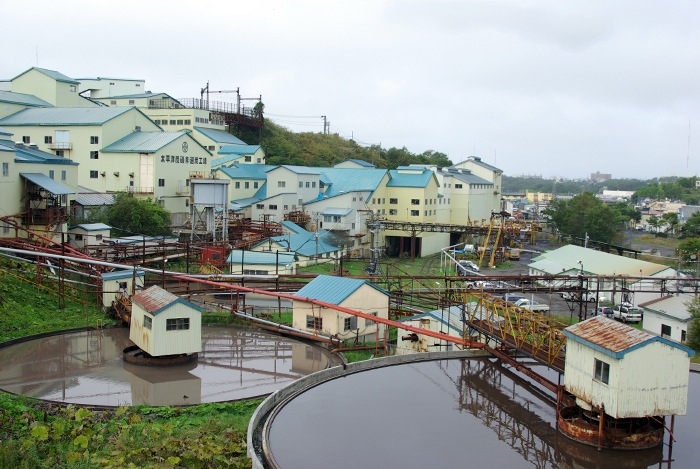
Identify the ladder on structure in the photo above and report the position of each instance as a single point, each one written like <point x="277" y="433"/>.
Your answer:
<point x="490" y="241"/>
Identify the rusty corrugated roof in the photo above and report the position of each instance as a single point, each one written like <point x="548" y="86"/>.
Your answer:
<point x="154" y="300"/>
<point x="614" y="338"/>
<point x="609" y="334"/>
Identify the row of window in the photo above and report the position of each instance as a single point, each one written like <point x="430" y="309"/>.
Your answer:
<point x="79" y="237"/>
<point x="254" y="272"/>
<point x="249" y="159"/>
<point x="51" y="173"/>
<point x="247" y="185"/>
<point x="301" y="184"/>
<point x="414" y="213"/>
<point x="173" y="122"/>
<point x="269" y="207"/>
<point x="349" y="324"/>
<point x="413" y="201"/>
<point x="201" y="120"/>
<point x="474" y="186"/>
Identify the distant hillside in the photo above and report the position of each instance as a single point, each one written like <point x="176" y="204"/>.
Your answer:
<point x="516" y="184"/>
<point x="283" y="146"/>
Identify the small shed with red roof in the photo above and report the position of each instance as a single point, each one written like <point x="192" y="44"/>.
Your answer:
<point x="164" y="324"/>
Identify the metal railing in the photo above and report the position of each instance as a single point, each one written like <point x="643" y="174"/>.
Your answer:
<point x="61" y="146"/>
<point x="204" y="104"/>
<point x="139" y="190"/>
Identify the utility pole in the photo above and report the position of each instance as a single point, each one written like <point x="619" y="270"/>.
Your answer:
<point x="325" y="125"/>
<point x="316" y="216"/>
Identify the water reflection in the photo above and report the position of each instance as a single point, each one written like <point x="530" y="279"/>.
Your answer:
<point x="87" y="368"/>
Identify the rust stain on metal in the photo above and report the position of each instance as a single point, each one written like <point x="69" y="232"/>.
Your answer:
<point x="154" y="299"/>
<point x="609" y="334"/>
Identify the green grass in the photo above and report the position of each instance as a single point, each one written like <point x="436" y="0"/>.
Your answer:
<point x="207" y="435"/>
<point x="665" y="242"/>
<point x="26" y="309"/>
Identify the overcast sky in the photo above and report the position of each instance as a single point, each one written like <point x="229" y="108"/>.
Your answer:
<point x="542" y="87"/>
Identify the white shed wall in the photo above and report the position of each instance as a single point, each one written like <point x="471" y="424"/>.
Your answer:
<point x="652" y="322"/>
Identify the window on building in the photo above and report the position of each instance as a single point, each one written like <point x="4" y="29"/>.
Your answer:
<point x="665" y="331"/>
<point x="314" y="323"/>
<point x="307" y="184"/>
<point x="78" y="237"/>
<point x="281" y="183"/>
<point x="180" y="122"/>
<point x="361" y="198"/>
<point x="273" y="207"/>
<point x="425" y="213"/>
<point x="113" y="102"/>
<point x="51" y="173"/>
<point x="415" y="201"/>
<point x="93" y="175"/>
<point x="98" y="237"/>
<point x="211" y="147"/>
<point x="137" y="128"/>
<point x="350" y="324"/>
<point x="393" y="211"/>
<point x="94" y="140"/>
<point x="26" y="139"/>
<point x="313" y="184"/>
<point x="161" y="182"/>
<point x="426" y="201"/>
<point x="448" y="200"/>
<point x="131" y="101"/>
<point x="172" y="121"/>
<point x="147" y="322"/>
<point x="260" y="206"/>
<point x="73" y="88"/>
<point x="286" y="207"/>
<point x="248" y="159"/>
<point x="94" y="155"/>
<point x="247" y="185"/>
<point x="188" y="122"/>
<point x="238" y="185"/>
<point x="177" y="324"/>
<point x="6" y="169"/>
<point x="458" y="186"/>
<point x="369" y="322"/>
<point x="301" y="184"/>
<point x="415" y="213"/>
<point x="48" y="139"/>
<point x="393" y="201"/>
<point x="5" y="228"/>
<point x="683" y="333"/>
<point x="258" y="160"/>
<point x="602" y="371"/>
<point x="255" y="185"/>
<point x="374" y="201"/>
<point x="383" y="201"/>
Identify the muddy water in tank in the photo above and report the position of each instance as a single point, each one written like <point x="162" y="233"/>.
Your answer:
<point x="450" y="413"/>
<point x="87" y="368"/>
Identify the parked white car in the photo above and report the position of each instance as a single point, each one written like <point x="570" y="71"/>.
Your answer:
<point x="627" y="313"/>
<point x="589" y="296"/>
<point x="531" y="305"/>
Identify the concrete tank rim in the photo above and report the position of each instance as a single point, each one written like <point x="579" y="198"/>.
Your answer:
<point x="274" y="400"/>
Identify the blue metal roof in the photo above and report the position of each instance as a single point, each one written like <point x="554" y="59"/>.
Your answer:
<point x="246" y="171"/>
<point x="360" y="162"/>
<point x="260" y="258"/>
<point x="301" y="169"/>
<point x="143" y="142"/>
<point x="92" y="227"/>
<point x="410" y="180"/>
<point x="58" y="76"/>
<point x="262" y="192"/>
<point x="303" y="243"/>
<point x="247" y="202"/>
<point x="5" y="132"/>
<point x="24" y="99"/>
<point x="333" y="290"/>
<point x="47" y="183"/>
<point x="25" y="154"/>
<point x="350" y="179"/>
<point x="419" y="168"/>
<point x="219" y="136"/>
<point x="338" y="212"/>
<point x="239" y="149"/>
<point x="117" y="274"/>
<point x="293" y="227"/>
<point x="468" y="178"/>
<point x="55" y="116"/>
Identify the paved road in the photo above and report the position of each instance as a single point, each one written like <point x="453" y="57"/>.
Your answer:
<point x="662" y="250"/>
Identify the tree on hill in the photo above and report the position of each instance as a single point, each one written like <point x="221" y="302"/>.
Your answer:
<point x="586" y="214"/>
<point x="692" y="226"/>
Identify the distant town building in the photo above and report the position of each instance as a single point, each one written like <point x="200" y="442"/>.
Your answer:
<point x="600" y="177"/>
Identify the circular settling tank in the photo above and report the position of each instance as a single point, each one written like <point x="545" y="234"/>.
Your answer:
<point x="88" y="368"/>
<point x="443" y="413"/>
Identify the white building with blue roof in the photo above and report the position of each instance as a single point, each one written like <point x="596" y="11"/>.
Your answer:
<point x="237" y="153"/>
<point x="88" y="234"/>
<point x="261" y="263"/>
<point x="52" y="87"/>
<point x="307" y="247"/>
<point x="355" y="294"/>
